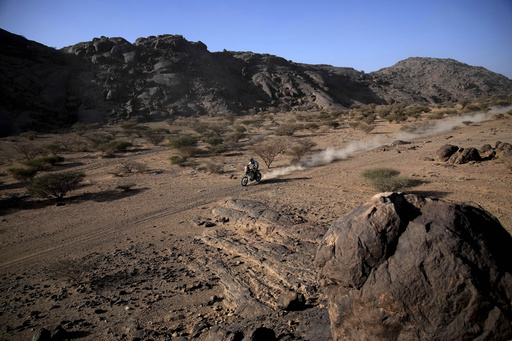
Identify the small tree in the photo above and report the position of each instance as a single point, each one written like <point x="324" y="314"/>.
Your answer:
<point x="300" y="148"/>
<point x="23" y="174"/>
<point x="114" y="146"/>
<point x="269" y="149"/>
<point x="56" y="184"/>
<point x="45" y="162"/>
<point x="28" y="149"/>
<point x="156" y="136"/>
<point x="129" y="166"/>
<point x="186" y="144"/>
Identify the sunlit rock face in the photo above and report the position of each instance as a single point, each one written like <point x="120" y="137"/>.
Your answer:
<point x="404" y="267"/>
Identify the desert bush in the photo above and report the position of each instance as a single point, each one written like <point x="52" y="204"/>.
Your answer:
<point x="131" y="128"/>
<point x="182" y="141"/>
<point x="56" y="184"/>
<point x="383" y="110"/>
<point x="114" y="146"/>
<point x="29" y="135"/>
<point x="214" y="167"/>
<point x="311" y="126"/>
<point x="73" y="143"/>
<point x="28" y="149"/>
<point x="44" y="162"/>
<point x="199" y="127"/>
<point x="269" y="149"/>
<point x="23" y="174"/>
<point x="438" y="115"/>
<point x="473" y="108"/>
<point x="365" y="127"/>
<point x="239" y="128"/>
<point x="387" y="180"/>
<point x="397" y="117"/>
<point x="185" y="144"/>
<point x="177" y="160"/>
<point x="214" y="140"/>
<point x="375" y="173"/>
<point x="332" y="124"/>
<point x="235" y="136"/>
<point x="255" y="122"/>
<point x="418" y="128"/>
<point x="416" y="110"/>
<point x="155" y="136"/>
<point x="97" y="138"/>
<point x="130" y="166"/>
<point x="370" y="119"/>
<point x="300" y="148"/>
<point x="217" y="149"/>
<point x="467" y="123"/>
<point x="323" y="116"/>
<point x="286" y="129"/>
<point x="54" y="148"/>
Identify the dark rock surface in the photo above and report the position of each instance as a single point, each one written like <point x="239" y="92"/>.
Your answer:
<point x="445" y="152"/>
<point x="458" y="155"/>
<point x="465" y="155"/>
<point x="264" y="260"/>
<point x="111" y="79"/>
<point x="404" y="267"/>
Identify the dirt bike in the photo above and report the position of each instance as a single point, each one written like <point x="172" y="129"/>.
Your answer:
<point x="250" y="174"/>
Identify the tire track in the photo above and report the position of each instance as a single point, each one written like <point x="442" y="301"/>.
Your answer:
<point x="90" y="237"/>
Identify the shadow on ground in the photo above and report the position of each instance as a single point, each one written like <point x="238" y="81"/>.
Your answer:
<point x="18" y="203"/>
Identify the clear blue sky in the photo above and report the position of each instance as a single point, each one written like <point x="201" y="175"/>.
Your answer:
<point x="366" y="35"/>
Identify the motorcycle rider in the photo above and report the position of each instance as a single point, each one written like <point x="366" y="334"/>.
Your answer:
<point x="253" y="164"/>
<point x="253" y="167"/>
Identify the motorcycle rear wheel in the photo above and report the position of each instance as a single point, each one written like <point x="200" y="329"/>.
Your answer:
<point x="257" y="176"/>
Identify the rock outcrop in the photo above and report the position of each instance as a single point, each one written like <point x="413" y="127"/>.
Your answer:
<point x="458" y="155"/>
<point x="111" y="79"/>
<point x="264" y="261"/>
<point x="404" y="267"/>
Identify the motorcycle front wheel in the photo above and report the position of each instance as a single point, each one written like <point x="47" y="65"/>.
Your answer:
<point x="245" y="180"/>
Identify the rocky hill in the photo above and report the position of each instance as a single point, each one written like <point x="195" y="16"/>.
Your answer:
<point x="110" y="79"/>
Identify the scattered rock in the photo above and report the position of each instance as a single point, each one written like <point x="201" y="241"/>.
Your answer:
<point x="413" y="268"/>
<point x="261" y="334"/>
<point x="292" y="301"/>
<point x="42" y="334"/>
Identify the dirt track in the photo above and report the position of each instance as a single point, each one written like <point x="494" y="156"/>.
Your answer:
<point x="137" y="250"/>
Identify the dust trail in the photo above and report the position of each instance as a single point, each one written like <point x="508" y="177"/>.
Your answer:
<point x="332" y="154"/>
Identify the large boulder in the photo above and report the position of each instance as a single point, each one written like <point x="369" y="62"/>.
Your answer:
<point x="465" y="155"/>
<point x="445" y="152"/>
<point x="404" y="267"/>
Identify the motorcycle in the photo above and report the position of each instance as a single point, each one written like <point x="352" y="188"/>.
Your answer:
<point x="250" y="174"/>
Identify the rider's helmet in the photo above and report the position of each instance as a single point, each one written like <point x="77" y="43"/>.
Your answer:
<point x="251" y="160"/>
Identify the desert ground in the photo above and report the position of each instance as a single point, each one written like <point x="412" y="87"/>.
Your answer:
<point x="113" y="264"/>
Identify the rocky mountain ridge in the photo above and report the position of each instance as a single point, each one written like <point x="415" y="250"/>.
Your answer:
<point x="110" y="79"/>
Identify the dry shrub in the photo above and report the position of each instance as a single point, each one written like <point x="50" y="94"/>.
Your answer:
<point x="214" y="167"/>
<point x="387" y="180"/>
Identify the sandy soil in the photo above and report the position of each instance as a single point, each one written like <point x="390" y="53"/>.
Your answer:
<point x="112" y="264"/>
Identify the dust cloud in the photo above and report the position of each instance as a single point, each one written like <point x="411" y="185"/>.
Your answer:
<point x="332" y="154"/>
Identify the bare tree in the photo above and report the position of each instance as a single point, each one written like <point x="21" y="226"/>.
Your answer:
<point x="29" y="150"/>
<point x="300" y="148"/>
<point x="269" y="149"/>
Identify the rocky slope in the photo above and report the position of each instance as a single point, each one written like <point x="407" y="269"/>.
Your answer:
<point x="160" y="76"/>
